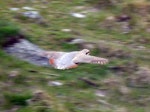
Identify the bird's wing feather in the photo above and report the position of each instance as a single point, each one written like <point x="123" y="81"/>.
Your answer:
<point x="53" y="54"/>
<point x="89" y="59"/>
<point x="65" y="61"/>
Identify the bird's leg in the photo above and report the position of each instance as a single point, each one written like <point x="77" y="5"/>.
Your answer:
<point x="51" y="61"/>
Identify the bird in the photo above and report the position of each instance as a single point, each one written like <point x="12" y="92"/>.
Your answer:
<point x="69" y="60"/>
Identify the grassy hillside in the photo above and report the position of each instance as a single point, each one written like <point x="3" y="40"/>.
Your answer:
<point x="119" y="30"/>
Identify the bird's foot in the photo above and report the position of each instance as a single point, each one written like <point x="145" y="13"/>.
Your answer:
<point x="51" y="61"/>
<point x="72" y="66"/>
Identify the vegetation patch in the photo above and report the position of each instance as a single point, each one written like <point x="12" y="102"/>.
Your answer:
<point x="17" y="98"/>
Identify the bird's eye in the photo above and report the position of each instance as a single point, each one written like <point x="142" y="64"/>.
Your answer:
<point x="87" y="53"/>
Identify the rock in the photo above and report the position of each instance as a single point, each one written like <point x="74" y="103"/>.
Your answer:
<point x="13" y="74"/>
<point x="28" y="8"/>
<point x="100" y="93"/>
<point x="141" y="47"/>
<point x="110" y="18"/>
<point x="87" y="45"/>
<point x="32" y="14"/>
<point x="124" y="90"/>
<point x="78" y="15"/>
<point x="76" y="41"/>
<point x="27" y="51"/>
<point x="14" y="9"/>
<point x="66" y="30"/>
<point x="55" y="83"/>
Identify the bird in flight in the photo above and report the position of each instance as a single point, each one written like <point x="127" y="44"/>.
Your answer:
<point x="68" y="60"/>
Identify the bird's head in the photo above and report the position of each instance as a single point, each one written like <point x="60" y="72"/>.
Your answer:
<point x="85" y="51"/>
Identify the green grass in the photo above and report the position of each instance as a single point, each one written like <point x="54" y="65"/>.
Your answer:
<point x="17" y="99"/>
<point x="7" y="30"/>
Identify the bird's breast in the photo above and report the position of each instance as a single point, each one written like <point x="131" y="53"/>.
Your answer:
<point x="65" y="60"/>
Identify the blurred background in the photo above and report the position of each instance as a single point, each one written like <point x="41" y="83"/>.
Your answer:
<point x="115" y="29"/>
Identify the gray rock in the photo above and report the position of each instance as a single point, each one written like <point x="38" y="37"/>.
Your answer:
<point x="27" y="51"/>
<point x="100" y="93"/>
<point x="66" y="30"/>
<point x="28" y="8"/>
<point x="13" y="73"/>
<point x="55" y="83"/>
<point x="32" y="14"/>
<point x="78" y="15"/>
<point x="88" y="45"/>
<point x="14" y="9"/>
<point x="77" y="41"/>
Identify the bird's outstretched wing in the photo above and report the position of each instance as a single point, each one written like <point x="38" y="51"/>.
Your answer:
<point x="52" y="54"/>
<point x="89" y="59"/>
